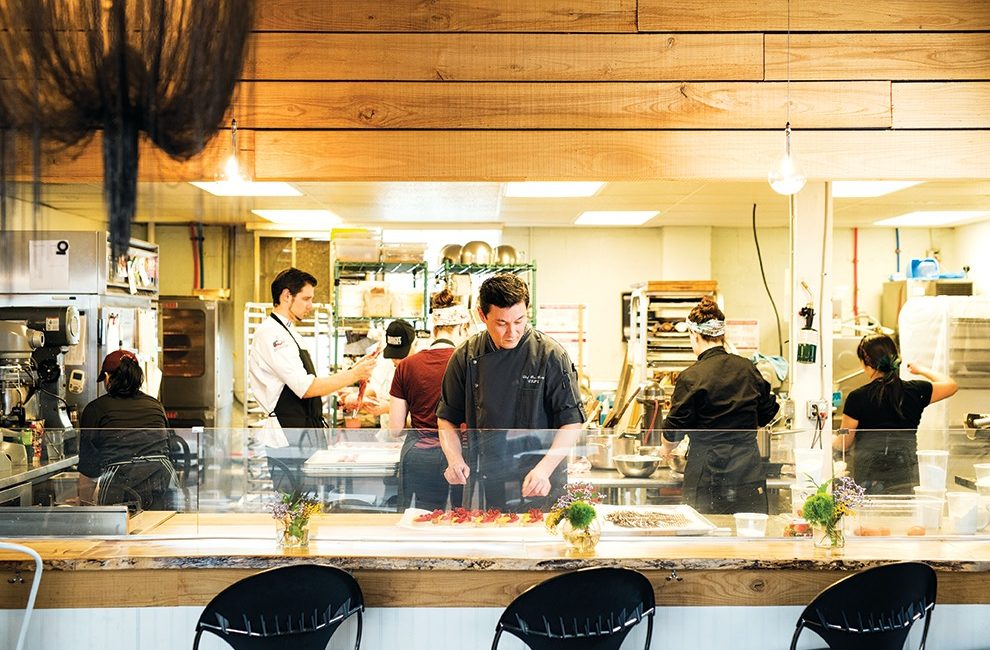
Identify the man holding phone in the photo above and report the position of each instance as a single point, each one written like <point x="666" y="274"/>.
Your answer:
<point x="282" y="375"/>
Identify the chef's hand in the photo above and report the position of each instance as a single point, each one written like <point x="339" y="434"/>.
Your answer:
<point x="457" y="474"/>
<point x="362" y="369"/>
<point x="917" y="369"/>
<point x="536" y="484"/>
<point x="667" y="448"/>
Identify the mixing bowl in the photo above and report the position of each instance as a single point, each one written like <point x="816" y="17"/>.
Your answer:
<point x="450" y="253"/>
<point x="504" y="254"/>
<point x="636" y="466"/>
<point x="476" y="252"/>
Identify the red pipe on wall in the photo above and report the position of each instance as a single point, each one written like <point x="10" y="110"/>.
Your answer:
<point x="855" y="273"/>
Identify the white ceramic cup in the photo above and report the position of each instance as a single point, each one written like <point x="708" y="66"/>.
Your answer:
<point x="966" y="513"/>
<point x="982" y="471"/>
<point x="932" y="465"/>
<point x="751" y="524"/>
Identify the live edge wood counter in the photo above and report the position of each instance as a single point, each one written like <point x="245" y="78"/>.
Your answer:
<point x="186" y="559"/>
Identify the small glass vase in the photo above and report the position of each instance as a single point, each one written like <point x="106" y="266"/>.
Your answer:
<point x="292" y="533"/>
<point x="581" y="540"/>
<point x="830" y="536"/>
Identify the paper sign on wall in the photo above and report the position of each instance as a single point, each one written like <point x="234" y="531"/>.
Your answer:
<point x="745" y="335"/>
<point x="48" y="261"/>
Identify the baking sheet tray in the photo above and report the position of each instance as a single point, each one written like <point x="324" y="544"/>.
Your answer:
<point x="353" y="460"/>
<point x="691" y="521"/>
<point x="461" y="532"/>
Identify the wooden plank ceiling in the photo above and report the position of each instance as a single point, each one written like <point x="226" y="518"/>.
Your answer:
<point x="492" y="90"/>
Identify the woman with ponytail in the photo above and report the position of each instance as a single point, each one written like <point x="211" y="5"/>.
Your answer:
<point x="882" y="417"/>
<point x="123" y="441"/>
<point x="720" y="401"/>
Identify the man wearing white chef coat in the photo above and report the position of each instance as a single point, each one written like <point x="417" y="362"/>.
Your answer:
<point x="282" y="375"/>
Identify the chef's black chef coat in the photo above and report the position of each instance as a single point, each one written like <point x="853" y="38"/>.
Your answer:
<point x="720" y="401"/>
<point x="531" y="386"/>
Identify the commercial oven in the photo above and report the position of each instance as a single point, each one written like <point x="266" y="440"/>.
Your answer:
<point x="197" y="361"/>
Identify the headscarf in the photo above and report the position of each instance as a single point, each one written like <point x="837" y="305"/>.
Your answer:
<point x="450" y="316"/>
<point x="712" y="328"/>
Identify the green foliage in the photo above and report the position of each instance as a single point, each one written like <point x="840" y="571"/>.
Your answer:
<point x="580" y="514"/>
<point x="819" y="509"/>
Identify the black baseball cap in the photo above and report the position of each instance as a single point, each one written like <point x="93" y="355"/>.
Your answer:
<point x="399" y="337"/>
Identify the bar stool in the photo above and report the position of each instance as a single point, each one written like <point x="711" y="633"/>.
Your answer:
<point x="589" y="609"/>
<point x="297" y="607"/>
<point x="872" y="610"/>
<point x="33" y="594"/>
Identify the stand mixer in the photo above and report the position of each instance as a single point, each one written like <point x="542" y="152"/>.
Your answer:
<point x="32" y="382"/>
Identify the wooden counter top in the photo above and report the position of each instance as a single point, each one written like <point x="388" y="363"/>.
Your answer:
<point x="187" y="558"/>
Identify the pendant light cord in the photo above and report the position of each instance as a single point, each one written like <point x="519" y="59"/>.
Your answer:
<point x="787" y="63"/>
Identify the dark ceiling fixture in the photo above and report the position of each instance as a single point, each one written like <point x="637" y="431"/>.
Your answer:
<point x="70" y="68"/>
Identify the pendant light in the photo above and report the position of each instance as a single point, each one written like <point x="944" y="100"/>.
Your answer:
<point x="786" y="177"/>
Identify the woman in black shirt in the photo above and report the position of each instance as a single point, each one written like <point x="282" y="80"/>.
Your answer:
<point x="882" y="417"/>
<point x="123" y="442"/>
<point x="719" y="401"/>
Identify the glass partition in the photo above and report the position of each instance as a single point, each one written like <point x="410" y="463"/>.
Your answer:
<point x="372" y="484"/>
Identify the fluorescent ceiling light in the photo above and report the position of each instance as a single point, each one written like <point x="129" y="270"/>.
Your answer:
<point x="932" y="218"/>
<point x="552" y="189"/>
<point x="615" y="217"/>
<point x="306" y="218"/>
<point x="247" y="188"/>
<point x="868" y="189"/>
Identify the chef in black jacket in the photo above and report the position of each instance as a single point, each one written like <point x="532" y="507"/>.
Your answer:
<point x="719" y="401"/>
<point x="509" y="376"/>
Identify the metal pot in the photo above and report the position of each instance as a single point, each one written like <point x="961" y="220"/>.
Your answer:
<point x="602" y="447"/>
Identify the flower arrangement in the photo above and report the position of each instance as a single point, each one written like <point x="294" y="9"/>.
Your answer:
<point x="292" y="513"/>
<point x="574" y="515"/>
<point x="826" y="509"/>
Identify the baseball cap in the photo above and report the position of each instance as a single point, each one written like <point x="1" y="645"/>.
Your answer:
<point x="399" y="337"/>
<point x="112" y="361"/>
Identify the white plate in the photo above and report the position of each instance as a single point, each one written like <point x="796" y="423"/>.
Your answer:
<point x="696" y="523"/>
<point x="461" y="531"/>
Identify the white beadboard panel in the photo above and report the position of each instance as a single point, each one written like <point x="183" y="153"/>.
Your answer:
<point x="954" y="627"/>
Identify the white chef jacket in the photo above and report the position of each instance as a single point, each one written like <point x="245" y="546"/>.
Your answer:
<point x="275" y="363"/>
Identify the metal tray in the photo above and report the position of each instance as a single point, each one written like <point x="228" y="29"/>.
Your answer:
<point x="690" y="521"/>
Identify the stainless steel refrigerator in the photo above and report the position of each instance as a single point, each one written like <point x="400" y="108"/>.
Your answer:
<point x="197" y="361"/>
<point x="117" y="300"/>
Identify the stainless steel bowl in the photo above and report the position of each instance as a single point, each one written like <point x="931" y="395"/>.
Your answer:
<point x="476" y="252"/>
<point x="636" y="466"/>
<point x="504" y="254"/>
<point x="450" y="253"/>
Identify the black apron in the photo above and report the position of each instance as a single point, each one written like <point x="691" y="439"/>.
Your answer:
<point x="724" y="473"/>
<point x="507" y="389"/>
<point x="292" y="411"/>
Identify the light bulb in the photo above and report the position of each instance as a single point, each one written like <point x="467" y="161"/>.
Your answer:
<point x="232" y="170"/>
<point x="785" y="177"/>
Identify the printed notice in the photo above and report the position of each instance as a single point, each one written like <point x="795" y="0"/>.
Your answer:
<point x="49" y="264"/>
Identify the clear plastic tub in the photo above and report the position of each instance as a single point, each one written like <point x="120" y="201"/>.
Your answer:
<point x="895" y="515"/>
<point x="751" y="524"/>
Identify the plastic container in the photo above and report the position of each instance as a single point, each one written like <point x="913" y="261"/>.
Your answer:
<point x="377" y="305"/>
<point x="407" y="303"/>
<point x="412" y="253"/>
<point x="925" y="268"/>
<point x="350" y="300"/>
<point x="809" y="465"/>
<point x="894" y="515"/>
<point x="751" y="524"/>
<point x="932" y="466"/>
<point x="982" y="471"/>
<point x="966" y="513"/>
<point x="356" y="250"/>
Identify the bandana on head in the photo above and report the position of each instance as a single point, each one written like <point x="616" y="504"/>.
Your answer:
<point x="447" y="316"/>
<point x="713" y="327"/>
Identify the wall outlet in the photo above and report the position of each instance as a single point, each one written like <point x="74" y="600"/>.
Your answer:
<point x="816" y="407"/>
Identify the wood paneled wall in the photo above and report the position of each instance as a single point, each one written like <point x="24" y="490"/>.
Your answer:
<point x="606" y="89"/>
